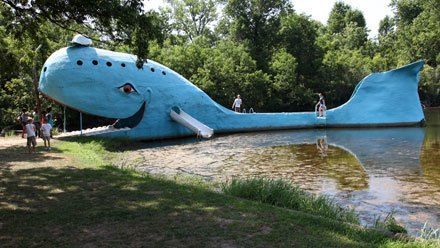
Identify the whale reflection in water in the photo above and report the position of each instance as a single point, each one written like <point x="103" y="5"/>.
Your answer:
<point x="346" y="155"/>
<point x="374" y="170"/>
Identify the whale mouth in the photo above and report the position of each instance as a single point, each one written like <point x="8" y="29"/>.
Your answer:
<point x="119" y="125"/>
<point x="131" y="121"/>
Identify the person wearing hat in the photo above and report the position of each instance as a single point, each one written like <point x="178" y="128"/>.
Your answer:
<point x="30" y="131"/>
<point x="237" y="104"/>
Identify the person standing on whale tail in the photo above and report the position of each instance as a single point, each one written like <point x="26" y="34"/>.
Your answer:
<point x="321" y="104"/>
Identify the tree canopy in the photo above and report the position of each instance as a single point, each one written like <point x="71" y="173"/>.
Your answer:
<point x="114" y="20"/>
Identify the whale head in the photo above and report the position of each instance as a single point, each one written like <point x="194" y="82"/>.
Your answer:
<point x="95" y="81"/>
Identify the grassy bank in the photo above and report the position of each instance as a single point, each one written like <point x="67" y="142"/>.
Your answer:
<point x="75" y="197"/>
<point x="283" y="194"/>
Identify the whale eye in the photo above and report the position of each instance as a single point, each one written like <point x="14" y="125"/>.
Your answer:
<point x="127" y="88"/>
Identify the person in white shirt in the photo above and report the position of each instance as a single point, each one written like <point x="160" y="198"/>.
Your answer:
<point x="237" y="104"/>
<point x="30" y="131"/>
<point x="45" y="128"/>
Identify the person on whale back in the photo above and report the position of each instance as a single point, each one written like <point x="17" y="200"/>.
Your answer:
<point x="321" y="105"/>
<point x="237" y="104"/>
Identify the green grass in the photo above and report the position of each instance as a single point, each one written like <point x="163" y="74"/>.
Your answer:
<point x="389" y="223"/>
<point x="90" y="203"/>
<point x="284" y="194"/>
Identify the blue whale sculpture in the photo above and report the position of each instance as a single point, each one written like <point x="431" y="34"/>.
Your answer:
<point x="155" y="102"/>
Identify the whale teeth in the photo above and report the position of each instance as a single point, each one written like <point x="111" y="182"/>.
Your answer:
<point x="94" y="131"/>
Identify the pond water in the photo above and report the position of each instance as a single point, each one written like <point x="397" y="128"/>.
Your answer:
<point x="376" y="171"/>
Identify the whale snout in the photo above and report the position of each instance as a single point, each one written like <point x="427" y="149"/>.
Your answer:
<point x="90" y="81"/>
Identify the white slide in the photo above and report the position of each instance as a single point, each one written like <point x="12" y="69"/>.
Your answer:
<point x="178" y="115"/>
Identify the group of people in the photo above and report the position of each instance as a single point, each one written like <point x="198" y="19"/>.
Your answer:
<point x="34" y="126"/>
<point x="320" y="105"/>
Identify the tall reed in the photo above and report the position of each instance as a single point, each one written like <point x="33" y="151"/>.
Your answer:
<point x="281" y="193"/>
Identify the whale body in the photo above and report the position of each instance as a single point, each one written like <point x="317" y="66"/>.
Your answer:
<point x="108" y="84"/>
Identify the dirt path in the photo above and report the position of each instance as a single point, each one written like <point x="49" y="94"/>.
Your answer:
<point x="11" y="141"/>
<point x="14" y="155"/>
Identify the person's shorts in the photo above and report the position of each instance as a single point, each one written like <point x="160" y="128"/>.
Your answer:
<point x="47" y="138"/>
<point x="31" y="141"/>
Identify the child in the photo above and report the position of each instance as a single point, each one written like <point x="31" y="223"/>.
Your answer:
<point x="30" y="131"/>
<point x="321" y="105"/>
<point x="46" y="128"/>
<point x="36" y="122"/>
<point x="49" y="118"/>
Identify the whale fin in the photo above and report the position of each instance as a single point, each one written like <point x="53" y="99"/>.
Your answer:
<point x="381" y="98"/>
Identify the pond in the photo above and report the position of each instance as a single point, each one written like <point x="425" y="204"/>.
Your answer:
<point x="376" y="171"/>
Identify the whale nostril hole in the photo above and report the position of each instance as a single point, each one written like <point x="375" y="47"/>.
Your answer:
<point x="152" y="69"/>
<point x="79" y="62"/>
<point x="123" y="64"/>
<point x="95" y="62"/>
<point x="45" y="69"/>
<point x="164" y="73"/>
<point x="109" y="64"/>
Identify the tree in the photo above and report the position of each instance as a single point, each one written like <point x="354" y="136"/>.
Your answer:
<point x="353" y="37"/>
<point x="341" y="72"/>
<point x="222" y="71"/>
<point x="287" y="93"/>
<point x="193" y="17"/>
<point x="386" y="26"/>
<point x="227" y="70"/>
<point x="256" y="23"/>
<point x="299" y="35"/>
<point x="17" y="55"/>
<point x="406" y="10"/>
<point x="341" y="15"/>
<point x="429" y="86"/>
<point x="116" y="20"/>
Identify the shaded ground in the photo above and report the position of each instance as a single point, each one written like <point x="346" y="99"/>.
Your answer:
<point x="52" y="199"/>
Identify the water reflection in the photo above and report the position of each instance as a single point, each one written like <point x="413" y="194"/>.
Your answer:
<point x="374" y="170"/>
<point x="309" y="164"/>
<point x="321" y="144"/>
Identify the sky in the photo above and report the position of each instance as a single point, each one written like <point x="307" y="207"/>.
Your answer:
<point x="373" y="10"/>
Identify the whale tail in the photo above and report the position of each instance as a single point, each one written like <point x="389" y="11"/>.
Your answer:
<point x="386" y="98"/>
